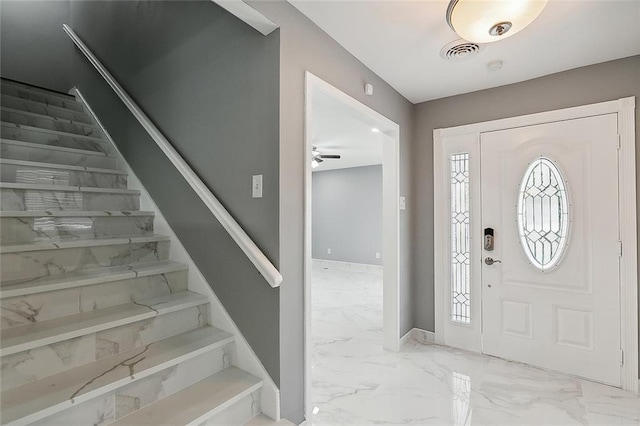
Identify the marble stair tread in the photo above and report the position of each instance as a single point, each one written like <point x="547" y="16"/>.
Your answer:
<point x="37" y="164"/>
<point x="37" y="400"/>
<point x="35" y="89"/>
<point x="198" y="402"/>
<point x="26" y="337"/>
<point x="88" y="277"/>
<point x="48" y="117"/>
<point x="74" y="213"/>
<point x="11" y="99"/>
<point x="51" y="132"/>
<point x="89" y="242"/>
<point x="34" y="145"/>
<point x="35" y="187"/>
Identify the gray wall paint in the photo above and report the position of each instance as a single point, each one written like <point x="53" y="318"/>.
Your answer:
<point x="210" y="83"/>
<point x="581" y="86"/>
<point x="304" y="47"/>
<point x="33" y="47"/>
<point x="347" y="214"/>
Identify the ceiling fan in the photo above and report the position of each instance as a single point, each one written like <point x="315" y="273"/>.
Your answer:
<point x="317" y="157"/>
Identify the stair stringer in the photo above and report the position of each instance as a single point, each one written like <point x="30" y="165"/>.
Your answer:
<point x="245" y="357"/>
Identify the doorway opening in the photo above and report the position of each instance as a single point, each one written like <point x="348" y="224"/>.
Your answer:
<point x="378" y="161"/>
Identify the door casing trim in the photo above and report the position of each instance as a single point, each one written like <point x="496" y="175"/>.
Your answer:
<point x="625" y="110"/>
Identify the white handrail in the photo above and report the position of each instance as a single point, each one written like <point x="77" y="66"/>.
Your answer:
<point x="261" y="262"/>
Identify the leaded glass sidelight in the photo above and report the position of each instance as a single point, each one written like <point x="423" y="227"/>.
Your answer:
<point x="543" y="214"/>
<point x="460" y="239"/>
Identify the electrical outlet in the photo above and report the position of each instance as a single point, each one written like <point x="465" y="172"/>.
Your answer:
<point x="328" y="251"/>
<point x="377" y="255"/>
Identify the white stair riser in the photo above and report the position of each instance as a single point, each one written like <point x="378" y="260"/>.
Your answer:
<point x="107" y="408"/>
<point x="44" y="361"/>
<point x="44" y="138"/>
<point x="13" y="199"/>
<point x="41" y="263"/>
<point x="49" y="123"/>
<point x="238" y="413"/>
<point x="22" y="310"/>
<point x="40" y="108"/>
<point x="14" y="230"/>
<point x="38" y="96"/>
<point x="13" y="173"/>
<point x="46" y="155"/>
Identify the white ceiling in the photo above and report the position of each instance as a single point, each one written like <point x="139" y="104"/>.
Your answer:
<point x="401" y="41"/>
<point x="338" y="129"/>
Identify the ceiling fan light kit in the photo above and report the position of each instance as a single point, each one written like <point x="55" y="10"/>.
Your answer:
<point x="486" y="21"/>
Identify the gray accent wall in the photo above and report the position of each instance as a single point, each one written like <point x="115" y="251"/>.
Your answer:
<point x="33" y="47"/>
<point x="211" y="85"/>
<point x="596" y="83"/>
<point x="347" y="214"/>
<point x="305" y="47"/>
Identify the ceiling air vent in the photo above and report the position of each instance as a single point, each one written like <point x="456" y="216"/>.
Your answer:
<point x="460" y="49"/>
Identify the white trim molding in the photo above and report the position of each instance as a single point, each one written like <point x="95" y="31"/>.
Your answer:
<point x="244" y="356"/>
<point x="625" y="110"/>
<point x="250" y="249"/>
<point x="365" y="267"/>
<point x="629" y="237"/>
<point x="249" y="15"/>
<point x="418" y="335"/>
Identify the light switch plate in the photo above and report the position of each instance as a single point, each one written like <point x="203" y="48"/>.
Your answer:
<point x="403" y="203"/>
<point x="256" y="186"/>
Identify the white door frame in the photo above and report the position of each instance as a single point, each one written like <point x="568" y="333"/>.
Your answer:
<point x="390" y="219"/>
<point x="625" y="110"/>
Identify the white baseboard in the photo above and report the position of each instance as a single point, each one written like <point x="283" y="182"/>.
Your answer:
<point x="418" y="335"/>
<point x="346" y="265"/>
<point x="245" y="357"/>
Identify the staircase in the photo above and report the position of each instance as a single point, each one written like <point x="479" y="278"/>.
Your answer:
<point x="98" y="325"/>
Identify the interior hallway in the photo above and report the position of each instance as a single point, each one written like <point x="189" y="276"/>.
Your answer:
<point x="356" y="382"/>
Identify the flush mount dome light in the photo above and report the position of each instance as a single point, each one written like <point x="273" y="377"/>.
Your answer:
<point x="485" y="21"/>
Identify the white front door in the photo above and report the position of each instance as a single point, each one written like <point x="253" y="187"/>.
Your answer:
<point x="549" y="194"/>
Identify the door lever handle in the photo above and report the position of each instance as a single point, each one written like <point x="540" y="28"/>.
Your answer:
<point x="490" y="261"/>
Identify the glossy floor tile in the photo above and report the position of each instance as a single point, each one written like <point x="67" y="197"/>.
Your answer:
<point x="356" y="382"/>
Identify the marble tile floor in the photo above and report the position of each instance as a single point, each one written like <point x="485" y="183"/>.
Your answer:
<point x="356" y="382"/>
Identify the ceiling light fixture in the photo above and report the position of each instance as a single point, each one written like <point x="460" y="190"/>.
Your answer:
<point x="485" y="21"/>
<point x="374" y="130"/>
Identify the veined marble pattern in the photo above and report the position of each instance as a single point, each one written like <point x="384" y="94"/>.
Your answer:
<point x="238" y="413"/>
<point x="13" y="173"/>
<point x="27" y="366"/>
<point x="52" y="123"/>
<point x="357" y="382"/>
<point x="40" y="108"/>
<point x="41" y="263"/>
<point x="46" y="155"/>
<point x="143" y="392"/>
<point x="121" y="339"/>
<point x="54" y="228"/>
<point x="15" y="132"/>
<point x="107" y="408"/>
<point x="37" y="307"/>
<point x="98" y="411"/>
<point x="13" y="199"/>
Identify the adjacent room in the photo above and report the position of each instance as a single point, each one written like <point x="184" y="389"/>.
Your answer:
<point x="346" y="244"/>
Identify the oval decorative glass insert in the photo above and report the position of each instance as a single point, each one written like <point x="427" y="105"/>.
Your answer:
<point x="543" y="214"/>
